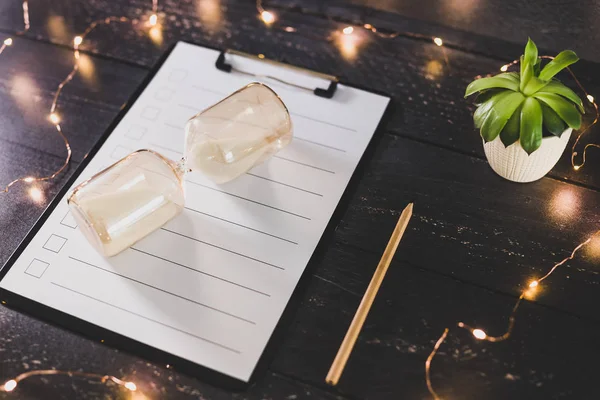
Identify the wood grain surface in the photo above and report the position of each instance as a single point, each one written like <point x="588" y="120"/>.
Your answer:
<point x="473" y="242"/>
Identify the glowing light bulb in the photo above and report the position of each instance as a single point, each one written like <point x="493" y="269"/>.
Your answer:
<point x="438" y="41"/>
<point x="36" y="194"/>
<point x="267" y="17"/>
<point x="10" y="385"/>
<point x="479" y="334"/>
<point x="153" y="19"/>
<point x="8" y="42"/>
<point x="131" y="386"/>
<point x="504" y="68"/>
<point x="29" y="179"/>
<point x="54" y="118"/>
<point x="156" y="35"/>
<point x="590" y="98"/>
<point x="290" y="29"/>
<point x="534" y="284"/>
<point x="348" y="30"/>
<point x="368" y="26"/>
<point x="576" y="167"/>
<point x="77" y="40"/>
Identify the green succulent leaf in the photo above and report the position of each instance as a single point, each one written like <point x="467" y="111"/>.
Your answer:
<point x="564" y="108"/>
<point x="491" y="83"/>
<point x="531" y="125"/>
<point x="499" y="114"/>
<point x="560" y="62"/>
<point x="537" y="67"/>
<point x="513" y="76"/>
<point x="483" y="110"/>
<point x="485" y="95"/>
<point x="535" y="84"/>
<point x="560" y="89"/>
<point x="552" y="122"/>
<point x="521" y="106"/>
<point x="510" y="133"/>
<point x="528" y="60"/>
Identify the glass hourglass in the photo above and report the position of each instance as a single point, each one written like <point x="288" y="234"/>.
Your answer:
<point x="141" y="192"/>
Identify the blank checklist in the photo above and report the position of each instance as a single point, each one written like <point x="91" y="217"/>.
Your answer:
<point x="36" y="268"/>
<point x="211" y="285"/>
<point x="55" y="243"/>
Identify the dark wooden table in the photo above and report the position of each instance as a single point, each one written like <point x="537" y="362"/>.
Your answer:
<point x="474" y="241"/>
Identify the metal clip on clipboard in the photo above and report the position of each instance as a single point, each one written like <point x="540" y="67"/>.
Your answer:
<point x="223" y="65"/>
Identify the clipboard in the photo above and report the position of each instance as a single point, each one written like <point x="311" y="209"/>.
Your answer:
<point x="125" y="343"/>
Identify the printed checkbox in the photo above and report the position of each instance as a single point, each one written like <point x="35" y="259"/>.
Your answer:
<point x="36" y="268"/>
<point x="120" y="152"/>
<point x="136" y="132"/>
<point x="55" y="243"/>
<point x="151" y="113"/>
<point x="164" y="94"/>
<point x="177" y="75"/>
<point x="69" y="221"/>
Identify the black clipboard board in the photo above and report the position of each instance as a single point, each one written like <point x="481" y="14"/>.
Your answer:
<point x="132" y="346"/>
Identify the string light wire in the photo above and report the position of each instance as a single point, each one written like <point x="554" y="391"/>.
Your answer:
<point x="269" y="18"/>
<point x="480" y="334"/>
<point x="12" y="384"/>
<point x="54" y="117"/>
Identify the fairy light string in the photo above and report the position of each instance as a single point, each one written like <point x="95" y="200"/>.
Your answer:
<point x="269" y="18"/>
<point x="480" y="334"/>
<point x="53" y="116"/>
<point x="12" y="384"/>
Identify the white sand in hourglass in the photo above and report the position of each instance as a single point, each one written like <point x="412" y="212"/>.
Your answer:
<point x="121" y="218"/>
<point x="220" y="160"/>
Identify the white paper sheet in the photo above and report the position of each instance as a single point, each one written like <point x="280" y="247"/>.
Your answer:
<point x="211" y="285"/>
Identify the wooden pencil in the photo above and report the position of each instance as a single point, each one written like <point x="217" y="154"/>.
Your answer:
<point x="337" y="367"/>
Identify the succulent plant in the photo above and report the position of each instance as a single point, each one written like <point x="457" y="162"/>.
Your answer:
<point x="523" y="106"/>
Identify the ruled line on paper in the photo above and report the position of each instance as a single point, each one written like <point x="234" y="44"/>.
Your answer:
<point x="284" y="184"/>
<point x="164" y="291"/>
<point x="324" y="122"/>
<point x="160" y="146"/>
<point x="319" y="144"/>
<point x="222" y="248"/>
<point x="305" y="164"/>
<point x="149" y="319"/>
<point x="250" y="200"/>
<point x="240" y="225"/>
<point x="187" y="106"/>
<point x="170" y="125"/>
<point x="200" y="272"/>
<point x="209" y="90"/>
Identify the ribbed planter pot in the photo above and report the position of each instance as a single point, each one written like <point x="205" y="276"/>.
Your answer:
<point x="514" y="164"/>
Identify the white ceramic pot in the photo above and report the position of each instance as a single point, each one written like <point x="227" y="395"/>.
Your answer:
<point x="514" y="164"/>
